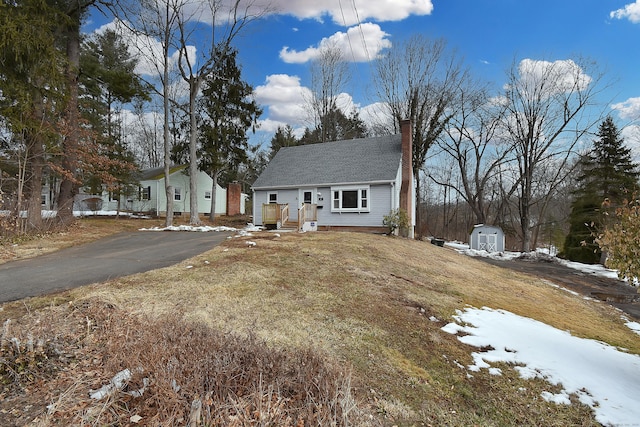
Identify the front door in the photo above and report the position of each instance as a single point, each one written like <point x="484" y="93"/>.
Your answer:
<point x="307" y="196"/>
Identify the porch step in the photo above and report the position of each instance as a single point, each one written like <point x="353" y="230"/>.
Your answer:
<point x="289" y="225"/>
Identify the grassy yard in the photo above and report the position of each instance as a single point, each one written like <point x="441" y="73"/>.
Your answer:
<point x="355" y="317"/>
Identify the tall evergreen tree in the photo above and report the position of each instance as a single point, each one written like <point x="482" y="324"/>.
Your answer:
<point x="108" y="81"/>
<point x="283" y="137"/>
<point x="228" y="111"/>
<point x="606" y="173"/>
<point x="338" y="126"/>
<point x="30" y="93"/>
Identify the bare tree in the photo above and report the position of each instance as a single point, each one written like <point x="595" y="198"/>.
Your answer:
<point x="547" y="114"/>
<point x="227" y="21"/>
<point x="419" y="80"/>
<point x="474" y="140"/>
<point x="154" y="23"/>
<point x="329" y="75"/>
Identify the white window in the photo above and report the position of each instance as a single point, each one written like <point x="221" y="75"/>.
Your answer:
<point x="272" y="198"/>
<point x="207" y="195"/>
<point x="177" y="193"/>
<point x="43" y="199"/>
<point x="145" y="193"/>
<point x="350" y="199"/>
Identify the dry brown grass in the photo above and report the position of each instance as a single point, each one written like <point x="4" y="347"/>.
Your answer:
<point x="83" y="231"/>
<point x="365" y="302"/>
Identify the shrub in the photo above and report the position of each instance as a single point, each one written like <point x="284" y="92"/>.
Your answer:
<point x="397" y="220"/>
<point x="621" y="241"/>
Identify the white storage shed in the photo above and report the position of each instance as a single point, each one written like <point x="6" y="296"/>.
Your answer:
<point x="487" y="238"/>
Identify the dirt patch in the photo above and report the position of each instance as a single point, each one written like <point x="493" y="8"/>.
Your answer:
<point x="613" y="291"/>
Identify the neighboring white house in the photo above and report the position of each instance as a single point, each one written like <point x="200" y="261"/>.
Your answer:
<point x="486" y="238"/>
<point x="350" y="184"/>
<point x="150" y="196"/>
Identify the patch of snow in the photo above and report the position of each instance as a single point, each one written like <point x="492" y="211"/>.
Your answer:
<point x="634" y="326"/>
<point x="457" y="245"/>
<point x="547" y="282"/>
<point x="539" y="255"/>
<point x="200" y="228"/>
<point x="561" y="398"/>
<point x="601" y="376"/>
<point x="251" y="244"/>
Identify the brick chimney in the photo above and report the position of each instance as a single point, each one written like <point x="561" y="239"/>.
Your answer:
<point x="234" y="198"/>
<point x="406" y="188"/>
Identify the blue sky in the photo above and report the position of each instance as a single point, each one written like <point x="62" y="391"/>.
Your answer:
<point x="490" y="35"/>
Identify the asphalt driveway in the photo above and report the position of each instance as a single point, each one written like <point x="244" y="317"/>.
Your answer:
<point x="115" y="256"/>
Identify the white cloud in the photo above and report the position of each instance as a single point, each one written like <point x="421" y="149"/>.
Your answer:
<point x="629" y="109"/>
<point x="553" y="77"/>
<point x="146" y="49"/>
<point x="630" y="12"/>
<point x="287" y="103"/>
<point x="350" y="13"/>
<point x="285" y="99"/>
<point x="631" y="136"/>
<point x="361" y="43"/>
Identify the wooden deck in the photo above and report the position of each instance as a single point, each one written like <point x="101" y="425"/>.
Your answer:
<point x="278" y="214"/>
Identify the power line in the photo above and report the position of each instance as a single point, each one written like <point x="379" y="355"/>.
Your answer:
<point x="344" y="22"/>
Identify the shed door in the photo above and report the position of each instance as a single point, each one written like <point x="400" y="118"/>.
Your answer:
<point x="482" y="242"/>
<point x="488" y="242"/>
<point x="492" y="240"/>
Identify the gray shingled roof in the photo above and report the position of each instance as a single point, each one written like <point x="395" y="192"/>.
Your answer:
<point x="355" y="160"/>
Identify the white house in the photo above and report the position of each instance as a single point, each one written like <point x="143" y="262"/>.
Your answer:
<point x="350" y="184"/>
<point x="151" y="196"/>
<point x="486" y="238"/>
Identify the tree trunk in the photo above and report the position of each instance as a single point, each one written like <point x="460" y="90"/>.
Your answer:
<point x="166" y="135"/>
<point x="214" y="193"/>
<point x="36" y="164"/>
<point x="418" y="227"/>
<point x="70" y="143"/>
<point x="194" y="216"/>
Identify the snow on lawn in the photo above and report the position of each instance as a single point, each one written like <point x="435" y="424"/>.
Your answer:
<point x="206" y="228"/>
<point x="601" y="376"/>
<point x="593" y="269"/>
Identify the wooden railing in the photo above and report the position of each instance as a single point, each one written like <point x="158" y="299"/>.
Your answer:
<point x="278" y="214"/>
<point x="301" y="214"/>
<point x="308" y="212"/>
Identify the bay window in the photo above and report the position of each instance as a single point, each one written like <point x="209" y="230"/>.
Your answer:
<point x="350" y="199"/>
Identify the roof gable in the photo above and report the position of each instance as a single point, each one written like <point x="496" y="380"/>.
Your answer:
<point x="355" y="160"/>
<point x="156" y="174"/>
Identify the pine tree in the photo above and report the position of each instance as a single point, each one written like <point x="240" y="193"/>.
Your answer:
<point x="283" y="137"/>
<point x="228" y="112"/>
<point x="337" y="127"/>
<point x="108" y="81"/>
<point x="606" y="173"/>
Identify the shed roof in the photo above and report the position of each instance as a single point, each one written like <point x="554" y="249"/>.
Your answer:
<point x="486" y="227"/>
<point x="349" y="161"/>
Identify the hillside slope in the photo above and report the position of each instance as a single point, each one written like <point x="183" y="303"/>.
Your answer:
<point x="369" y="305"/>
